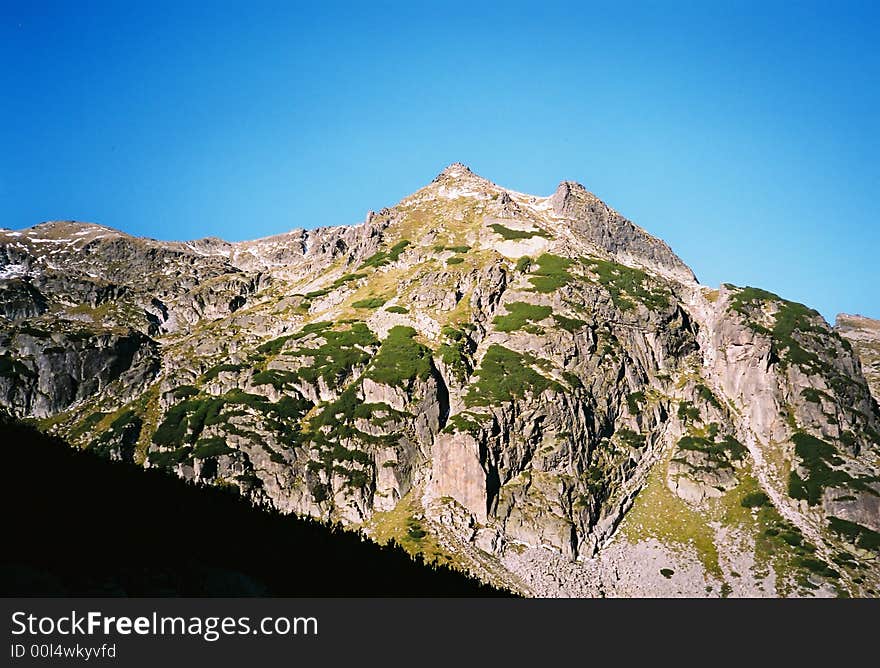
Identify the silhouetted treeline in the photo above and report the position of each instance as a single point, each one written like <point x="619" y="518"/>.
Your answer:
<point x="76" y="524"/>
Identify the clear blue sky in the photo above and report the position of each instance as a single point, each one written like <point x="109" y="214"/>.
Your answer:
<point x="744" y="134"/>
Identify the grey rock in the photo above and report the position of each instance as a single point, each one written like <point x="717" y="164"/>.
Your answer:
<point x="569" y="424"/>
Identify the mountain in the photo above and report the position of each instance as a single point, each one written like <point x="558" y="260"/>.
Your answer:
<point x="531" y="389"/>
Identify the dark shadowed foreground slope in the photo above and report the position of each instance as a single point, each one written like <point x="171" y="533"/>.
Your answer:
<point x="76" y="524"/>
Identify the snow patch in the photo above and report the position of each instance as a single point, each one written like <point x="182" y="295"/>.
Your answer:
<point x="13" y="271"/>
<point x="457" y="192"/>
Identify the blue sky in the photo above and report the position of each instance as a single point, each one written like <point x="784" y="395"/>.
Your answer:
<point x="744" y="134"/>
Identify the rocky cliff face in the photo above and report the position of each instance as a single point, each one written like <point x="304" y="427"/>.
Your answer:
<point x="533" y="389"/>
<point x="864" y="336"/>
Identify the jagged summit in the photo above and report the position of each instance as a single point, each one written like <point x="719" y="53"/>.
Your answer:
<point x="577" y="218"/>
<point x="458" y="172"/>
<point x="460" y="176"/>
<point x="455" y="170"/>
<point x="601" y="225"/>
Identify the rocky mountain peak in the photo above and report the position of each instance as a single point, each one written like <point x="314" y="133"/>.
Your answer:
<point x="599" y="224"/>
<point x="459" y="177"/>
<point x="533" y="389"/>
<point x="456" y="170"/>
<point x="564" y="191"/>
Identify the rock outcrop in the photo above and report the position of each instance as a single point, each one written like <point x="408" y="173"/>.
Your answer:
<point x="864" y="336"/>
<point x="533" y="389"/>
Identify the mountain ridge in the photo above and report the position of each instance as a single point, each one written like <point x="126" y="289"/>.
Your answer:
<point x="569" y="201"/>
<point x="538" y="385"/>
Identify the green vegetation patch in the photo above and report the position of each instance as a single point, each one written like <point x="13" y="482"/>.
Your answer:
<point x="754" y="500"/>
<point x="818" y="459"/>
<point x="184" y="391"/>
<point x="659" y="513"/>
<point x="813" y="395"/>
<point x="371" y="302"/>
<point x="274" y="346"/>
<point x="464" y="422"/>
<point x="630" y="438"/>
<point x="780" y="536"/>
<point x="634" y="402"/>
<point x="818" y="567"/>
<point x="454" y="249"/>
<point x="405" y="527"/>
<point x="88" y="424"/>
<point x="625" y="284"/>
<point x="455" y="352"/>
<point x="184" y="423"/>
<point x="335" y="424"/>
<point x="523" y="264"/>
<point x="397" y="309"/>
<point x="793" y="325"/>
<point x="335" y="421"/>
<point x="708" y="396"/>
<point x="455" y="260"/>
<point x="570" y="325"/>
<point x="339" y="355"/>
<point x="125" y="419"/>
<point x="170" y="458"/>
<point x="520" y="314"/>
<point x="858" y="535"/>
<point x="414" y="530"/>
<point x="518" y="235"/>
<point x="749" y="298"/>
<point x="401" y="359"/>
<point x="719" y="452"/>
<point x="338" y="283"/>
<point x="505" y="375"/>
<point x="382" y="258"/>
<point x="215" y="446"/>
<point x="312" y="328"/>
<point x="550" y="273"/>
<point x="687" y="412"/>
<point x="277" y="378"/>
